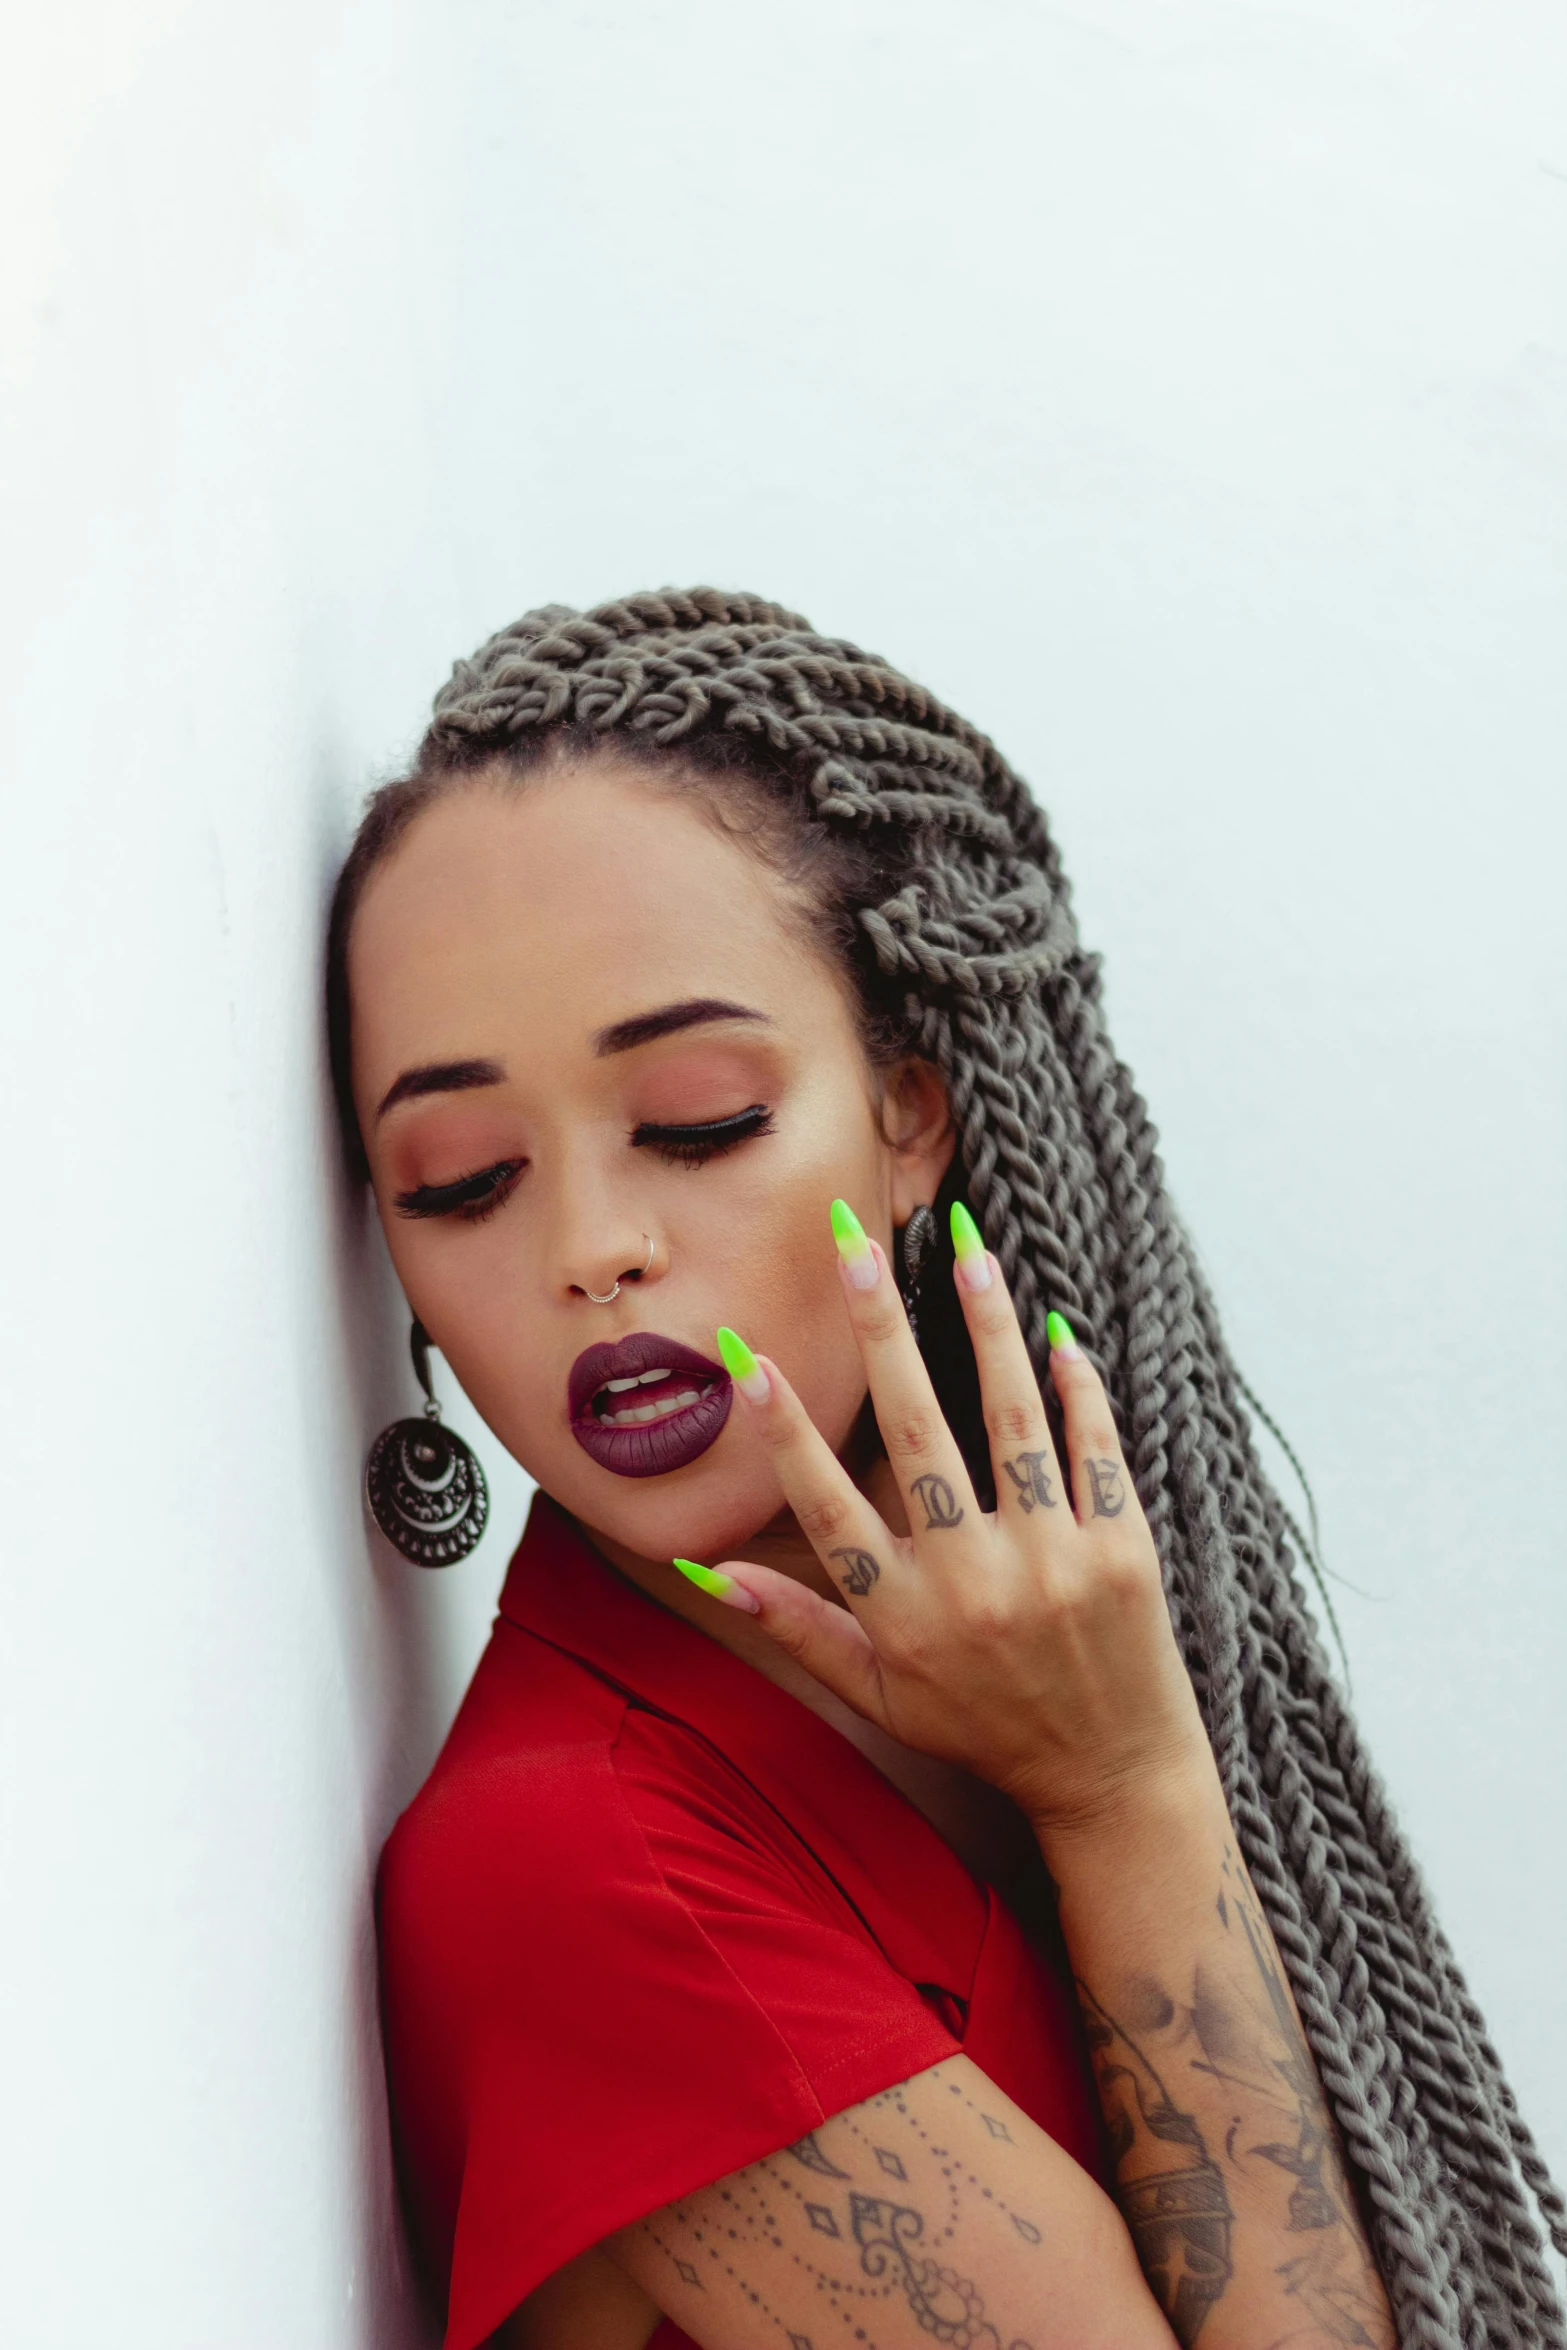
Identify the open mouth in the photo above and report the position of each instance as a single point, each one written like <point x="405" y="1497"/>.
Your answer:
<point x="646" y="1405"/>
<point x="637" y="1403"/>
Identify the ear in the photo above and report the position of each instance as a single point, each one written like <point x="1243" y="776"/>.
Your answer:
<point x="916" y="1124"/>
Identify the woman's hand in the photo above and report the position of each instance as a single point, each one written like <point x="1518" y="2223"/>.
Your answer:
<point x="1031" y="1644"/>
<point x="1034" y="1646"/>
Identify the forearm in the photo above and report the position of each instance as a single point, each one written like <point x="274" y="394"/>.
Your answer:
<point x="1227" y="2165"/>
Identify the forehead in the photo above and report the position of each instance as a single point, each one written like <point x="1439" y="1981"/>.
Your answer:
<point x="563" y="905"/>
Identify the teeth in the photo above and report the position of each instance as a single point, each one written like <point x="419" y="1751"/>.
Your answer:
<point x="642" y="1379"/>
<point x="637" y="1415"/>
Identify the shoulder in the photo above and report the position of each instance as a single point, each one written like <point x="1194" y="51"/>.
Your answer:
<point x="522" y="1794"/>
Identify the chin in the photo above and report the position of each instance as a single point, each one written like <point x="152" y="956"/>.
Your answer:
<point x="705" y="1512"/>
<point x="709" y="1509"/>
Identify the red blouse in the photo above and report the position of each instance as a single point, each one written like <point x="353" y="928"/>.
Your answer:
<point x="649" y="1919"/>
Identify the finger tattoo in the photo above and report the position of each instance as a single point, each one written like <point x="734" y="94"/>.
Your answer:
<point x="1104" y="1479"/>
<point x="1028" y="1474"/>
<point x="860" y="1571"/>
<point x="942" y="1506"/>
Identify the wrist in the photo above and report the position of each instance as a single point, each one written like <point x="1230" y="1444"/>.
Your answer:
<point x="1136" y="1815"/>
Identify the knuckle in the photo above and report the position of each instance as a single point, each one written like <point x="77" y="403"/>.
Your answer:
<point x="912" y="1434"/>
<point x="823" y="1519"/>
<point x="1128" y="1568"/>
<point x="879" y="1323"/>
<point x="988" y="1618"/>
<point x="920" y="1653"/>
<point x="791" y="1633"/>
<point x="1013" y="1423"/>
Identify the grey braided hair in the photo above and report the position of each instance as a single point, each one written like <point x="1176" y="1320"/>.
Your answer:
<point x="950" y="905"/>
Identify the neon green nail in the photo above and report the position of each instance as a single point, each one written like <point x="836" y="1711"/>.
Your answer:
<point x="965" y="1233"/>
<point x="1059" y="1332"/>
<point x="853" y="1247"/>
<point x="969" y="1248"/>
<point x="718" y="1586"/>
<point x="848" y="1231"/>
<point x="743" y="1368"/>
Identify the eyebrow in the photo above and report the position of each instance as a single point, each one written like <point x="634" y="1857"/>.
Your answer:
<point x="696" y="1012"/>
<point x="441" y="1077"/>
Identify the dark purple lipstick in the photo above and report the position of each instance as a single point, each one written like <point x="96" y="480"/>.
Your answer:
<point x="646" y="1405"/>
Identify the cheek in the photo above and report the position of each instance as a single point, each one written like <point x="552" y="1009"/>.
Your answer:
<point x="791" y="1286"/>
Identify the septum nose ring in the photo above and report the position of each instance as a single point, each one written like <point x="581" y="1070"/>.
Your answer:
<point x="610" y="1295"/>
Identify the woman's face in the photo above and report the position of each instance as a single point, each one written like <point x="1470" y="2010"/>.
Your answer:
<point x="547" y="984"/>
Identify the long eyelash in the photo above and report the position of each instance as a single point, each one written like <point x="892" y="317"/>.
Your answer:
<point x="473" y="1197"/>
<point x="693" y="1146"/>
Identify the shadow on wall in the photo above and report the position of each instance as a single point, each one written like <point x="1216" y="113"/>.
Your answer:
<point x="395" y="1671"/>
<point x="407" y="1641"/>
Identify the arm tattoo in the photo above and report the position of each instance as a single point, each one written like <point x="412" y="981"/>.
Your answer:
<point x="1239" y="2036"/>
<point x="808" y="2151"/>
<point x="1107" y="1486"/>
<point x="860" y="1570"/>
<point x="1027" y="1472"/>
<point x="942" y="1506"/>
<point x="1171" y="2190"/>
<point x="1330" y="2276"/>
<point x="862" y="2250"/>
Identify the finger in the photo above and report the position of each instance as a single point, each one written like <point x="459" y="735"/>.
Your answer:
<point x="1022" y="1452"/>
<point x="846" y="1533"/>
<point x="829" y="1641"/>
<point x="1101" y="1483"/>
<point x="920" y="1446"/>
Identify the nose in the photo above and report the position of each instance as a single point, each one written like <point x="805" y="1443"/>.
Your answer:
<point x="600" y="1273"/>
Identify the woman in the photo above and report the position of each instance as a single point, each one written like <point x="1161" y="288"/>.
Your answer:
<point x="852" y="1686"/>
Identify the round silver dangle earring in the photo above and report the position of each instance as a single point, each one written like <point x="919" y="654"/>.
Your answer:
<point x="425" y="1487"/>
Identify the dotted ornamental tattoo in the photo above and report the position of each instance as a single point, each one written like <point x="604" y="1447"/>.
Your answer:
<point x="855" y="2253"/>
<point x="1105" y="1484"/>
<point x="808" y="2151"/>
<point x="940" y="2301"/>
<point x="942" y="1507"/>
<point x="860" y="1571"/>
<point x="1033" y="1484"/>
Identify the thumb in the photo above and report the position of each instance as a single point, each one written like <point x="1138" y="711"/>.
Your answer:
<point x="828" y="1641"/>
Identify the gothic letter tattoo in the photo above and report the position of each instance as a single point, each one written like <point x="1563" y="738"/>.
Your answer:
<point x="1028" y="1474"/>
<point x="860" y="1571"/>
<point x="942" y="1507"/>
<point x="1109" y="1492"/>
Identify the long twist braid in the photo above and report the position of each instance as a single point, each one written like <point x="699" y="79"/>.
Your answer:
<point x="963" y="934"/>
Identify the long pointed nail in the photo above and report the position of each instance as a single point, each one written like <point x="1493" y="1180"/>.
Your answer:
<point x="1061" y="1336"/>
<point x="718" y="1586"/>
<point x="743" y="1368"/>
<point x="969" y="1247"/>
<point x="859" y="1262"/>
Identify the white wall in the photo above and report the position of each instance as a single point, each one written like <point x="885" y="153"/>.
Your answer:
<point x="1177" y="387"/>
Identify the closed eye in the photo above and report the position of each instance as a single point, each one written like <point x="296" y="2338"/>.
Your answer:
<point x="473" y="1197"/>
<point x="693" y="1146"/>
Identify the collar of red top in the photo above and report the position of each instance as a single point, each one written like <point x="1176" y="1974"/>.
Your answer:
<point x="559" y="1589"/>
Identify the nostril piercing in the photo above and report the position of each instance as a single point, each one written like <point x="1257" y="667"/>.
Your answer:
<point x="635" y="1274"/>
